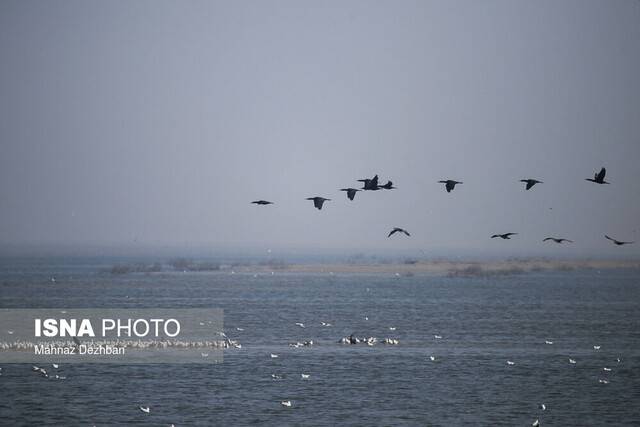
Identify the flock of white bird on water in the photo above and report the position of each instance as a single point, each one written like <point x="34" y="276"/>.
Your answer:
<point x="306" y="376"/>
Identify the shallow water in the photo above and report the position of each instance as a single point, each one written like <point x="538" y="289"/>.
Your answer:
<point x="483" y="322"/>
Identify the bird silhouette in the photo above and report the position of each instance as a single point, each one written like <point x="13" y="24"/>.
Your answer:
<point x="598" y="178"/>
<point x="506" y="236"/>
<point x="318" y="201"/>
<point x="370" y="184"/>
<point x="530" y="183"/>
<point x="557" y="240"/>
<point x="449" y="184"/>
<point x="351" y="192"/>
<point x="388" y="186"/>
<point x="618" y="242"/>
<point x="398" y="230"/>
<point x="262" y="202"/>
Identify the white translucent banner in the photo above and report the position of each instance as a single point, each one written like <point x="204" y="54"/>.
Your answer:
<point x="112" y="335"/>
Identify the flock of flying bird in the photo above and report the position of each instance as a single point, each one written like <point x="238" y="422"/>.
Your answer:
<point x="449" y="185"/>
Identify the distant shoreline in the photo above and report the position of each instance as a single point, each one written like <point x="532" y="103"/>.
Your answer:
<point x="450" y="267"/>
<point x="453" y="267"/>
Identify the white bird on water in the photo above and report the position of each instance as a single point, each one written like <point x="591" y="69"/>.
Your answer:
<point x="572" y="361"/>
<point x="41" y="371"/>
<point x="325" y="324"/>
<point x="596" y="347"/>
<point x="606" y="369"/>
<point x="55" y="366"/>
<point x="603" y="381"/>
<point x="543" y="406"/>
<point x="300" y="324"/>
<point x="274" y="356"/>
<point x="286" y="403"/>
<point x="536" y="423"/>
<point x="305" y="376"/>
<point x="239" y="329"/>
<point x="510" y="363"/>
<point x="548" y="342"/>
<point x="10" y="332"/>
<point x="392" y="328"/>
<point x="438" y="337"/>
<point x="145" y="410"/>
<point x="432" y="358"/>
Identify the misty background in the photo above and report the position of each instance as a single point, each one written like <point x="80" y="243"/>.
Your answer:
<point x="154" y="124"/>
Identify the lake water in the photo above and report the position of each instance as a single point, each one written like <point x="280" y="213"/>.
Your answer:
<point x="483" y="323"/>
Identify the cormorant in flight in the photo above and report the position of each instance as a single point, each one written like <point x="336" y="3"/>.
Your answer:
<point x="598" y="178"/>
<point x="530" y="183"/>
<point x="398" y="230"/>
<point x="449" y="184"/>
<point x="351" y="192"/>
<point x="561" y="240"/>
<point x="506" y="236"/>
<point x="318" y="201"/>
<point x="262" y="202"/>
<point x="618" y="242"/>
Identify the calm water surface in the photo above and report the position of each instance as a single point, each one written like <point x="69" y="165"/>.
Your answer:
<point x="483" y="323"/>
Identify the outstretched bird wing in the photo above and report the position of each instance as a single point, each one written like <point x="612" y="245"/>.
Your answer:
<point x="392" y="231"/>
<point x="406" y="232"/>
<point x="318" y="202"/>
<point x="530" y="183"/>
<point x="600" y="175"/>
<point x="618" y="242"/>
<point x="374" y="181"/>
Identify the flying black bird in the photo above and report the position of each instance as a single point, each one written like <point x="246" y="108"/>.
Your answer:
<point x="598" y="178"/>
<point x="449" y="184"/>
<point x="351" y="192"/>
<point x="618" y="242"/>
<point x="388" y="186"/>
<point x="396" y="230"/>
<point x="561" y="240"/>
<point x="262" y="202"/>
<point x="530" y="183"/>
<point x="318" y="201"/>
<point x="506" y="236"/>
<point x="370" y="184"/>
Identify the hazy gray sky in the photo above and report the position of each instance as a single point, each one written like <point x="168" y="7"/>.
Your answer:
<point x="156" y="123"/>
